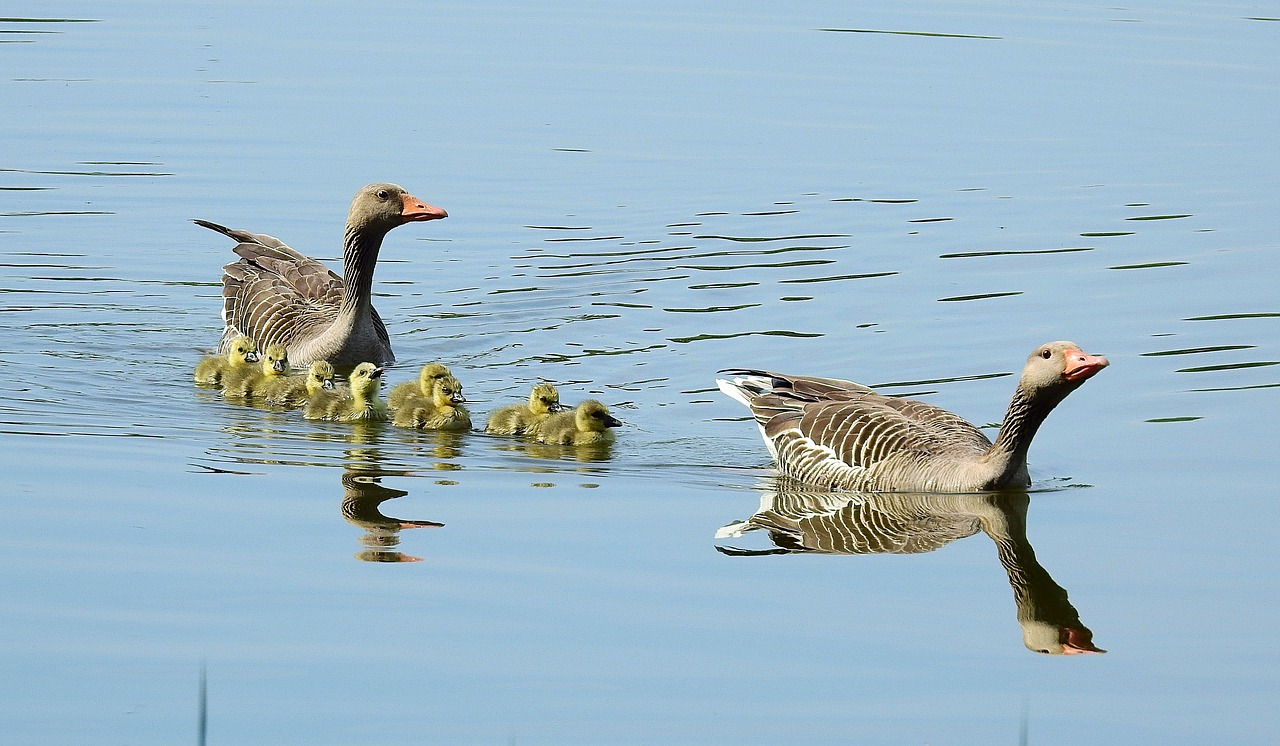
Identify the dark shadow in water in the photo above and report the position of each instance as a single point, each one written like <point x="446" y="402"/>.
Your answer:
<point x="799" y="521"/>
<point x="362" y="507"/>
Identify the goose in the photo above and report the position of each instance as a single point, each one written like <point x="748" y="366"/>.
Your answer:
<point x="444" y="411"/>
<point x="247" y="382"/>
<point x="526" y="417"/>
<point x="294" y="391"/>
<point x="360" y="404"/>
<point x="238" y="353"/>
<point x="587" y="424"/>
<point x="277" y="295"/>
<point x="844" y="436"/>
<point x="420" y="390"/>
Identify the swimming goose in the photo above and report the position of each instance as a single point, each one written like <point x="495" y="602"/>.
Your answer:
<point x="844" y="436"/>
<point x="238" y="353"/>
<point x="247" y="381"/>
<point x="361" y="403"/>
<point x="443" y="411"/>
<point x="588" y="424"/>
<point x="294" y="391"/>
<point x="277" y="295"/>
<point x="420" y="390"/>
<point x="515" y="419"/>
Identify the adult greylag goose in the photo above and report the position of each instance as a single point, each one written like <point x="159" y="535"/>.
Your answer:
<point x="359" y="404"/>
<point x="412" y="393"/>
<point x="238" y="353"/>
<point x="276" y="295"/>
<point x="588" y="424"/>
<point x="443" y="411"/>
<point x="294" y="391"/>
<point x="844" y="436"/>
<point x="525" y="417"/>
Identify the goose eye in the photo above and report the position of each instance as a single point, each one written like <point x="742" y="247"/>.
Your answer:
<point x="1046" y="353"/>
<point x="383" y="194"/>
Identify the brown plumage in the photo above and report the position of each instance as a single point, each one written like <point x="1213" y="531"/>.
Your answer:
<point x="414" y="393"/>
<point x="241" y="352"/>
<point x="526" y="417"/>
<point x="842" y="435"/>
<point x="443" y="411"/>
<point x="278" y="296"/>
<point x="588" y="424"/>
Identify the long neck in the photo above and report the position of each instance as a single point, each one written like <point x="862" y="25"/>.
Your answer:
<point x="359" y="255"/>
<point x="1023" y="418"/>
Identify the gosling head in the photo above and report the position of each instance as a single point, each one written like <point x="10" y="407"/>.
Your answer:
<point x="545" y="399"/>
<point x="430" y="373"/>
<point x="592" y="416"/>
<point x="365" y="380"/>
<point x="320" y="376"/>
<point x="275" y="361"/>
<point x="447" y="392"/>
<point x="243" y="350"/>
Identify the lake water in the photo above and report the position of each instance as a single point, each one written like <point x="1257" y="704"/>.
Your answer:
<point x="912" y="195"/>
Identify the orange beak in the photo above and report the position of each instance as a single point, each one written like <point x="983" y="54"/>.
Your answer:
<point x="1081" y="366"/>
<point x="416" y="210"/>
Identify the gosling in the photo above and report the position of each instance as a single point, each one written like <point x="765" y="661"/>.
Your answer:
<point x="210" y="370"/>
<point x="518" y="419"/>
<point x="247" y="382"/>
<point x="444" y="411"/>
<point x="587" y="425"/>
<point x="418" y="392"/>
<point x="360" y="404"/>
<point x="294" y="391"/>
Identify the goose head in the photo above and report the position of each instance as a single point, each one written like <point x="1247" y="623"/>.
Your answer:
<point x="1056" y="369"/>
<point x="381" y="207"/>
<point x="592" y="416"/>
<point x="545" y="399"/>
<point x="365" y="380"/>
<point x="275" y="361"/>
<point x="447" y="392"/>
<point x="320" y="376"/>
<point x="243" y="350"/>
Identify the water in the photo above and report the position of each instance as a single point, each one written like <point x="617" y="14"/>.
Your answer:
<point x="912" y="197"/>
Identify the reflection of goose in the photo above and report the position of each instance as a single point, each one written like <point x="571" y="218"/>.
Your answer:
<point x="247" y="381"/>
<point x="588" y="424"/>
<point x="294" y="391"/>
<point x="417" y="390"/>
<point x="240" y="352"/>
<point x="843" y="435"/>
<point x="275" y="294"/>
<point x="526" y="417"/>
<point x="443" y="411"/>
<point x="361" y="507"/>
<point x="360" y="403"/>
<point x="910" y="523"/>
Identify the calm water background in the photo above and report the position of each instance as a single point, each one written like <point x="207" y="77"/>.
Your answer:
<point x="912" y="196"/>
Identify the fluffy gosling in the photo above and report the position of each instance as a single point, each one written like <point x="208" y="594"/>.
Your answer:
<point x="294" y="391"/>
<point x="517" y="419"/>
<point x="444" y="411"/>
<point x="360" y="404"/>
<point x="587" y="425"/>
<point x="211" y="369"/>
<point x="418" y="392"/>
<point x="247" y="381"/>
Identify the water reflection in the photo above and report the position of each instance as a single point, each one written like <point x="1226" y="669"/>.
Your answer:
<point x="798" y="520"/>
<point x="361" y="507"/>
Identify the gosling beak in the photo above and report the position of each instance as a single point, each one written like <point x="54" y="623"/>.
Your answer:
<point x="251" y="357"/>
<point x="611" y="421"/>
<point x="278" y="366"/>
<point x="558" y="407"/>
<point x="328" y="384"/>
<point x="1080" y="366"/>
<point x="415" y="210"/>
<point x="376" y="373"/>
<point x="458" y="398"/>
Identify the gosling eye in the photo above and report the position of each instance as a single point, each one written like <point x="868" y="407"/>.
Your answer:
<point x="383" y="194"/>
<point x="1046" y="353"/>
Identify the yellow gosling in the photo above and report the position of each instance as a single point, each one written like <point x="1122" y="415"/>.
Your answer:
<point x="587" y="425"/>
<point x="419" y="392"/>
<point x="516" y="419"/>
<point x="444" y="411"/>
<point x="360" y="404"/>
<point x="294" y="391"/>
<point x="247" y="381"/>
<point x="210" y="370"/>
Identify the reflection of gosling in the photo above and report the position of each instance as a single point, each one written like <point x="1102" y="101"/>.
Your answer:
<point x="587" y="424"/>
<point x="242" y="352"/>
<point x="417" y="393"/>
<point x="247" y="381"/>
<point x="444" y="411"/>
<point x="515" y="419"/>
<point x="360" y="404"/>
<point x="294" y="391"/>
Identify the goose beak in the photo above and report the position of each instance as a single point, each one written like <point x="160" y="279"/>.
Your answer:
<point x="415" y="210"/>
<point x="1080" y="366"/>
